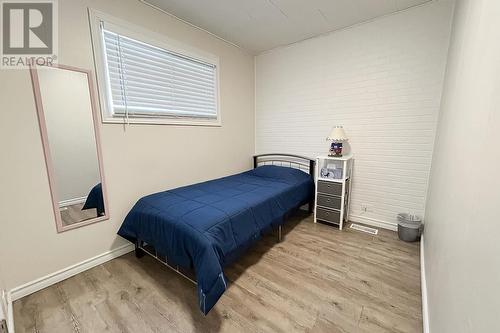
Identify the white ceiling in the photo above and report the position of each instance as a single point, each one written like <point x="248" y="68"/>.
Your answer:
<point x="259" y="25"/>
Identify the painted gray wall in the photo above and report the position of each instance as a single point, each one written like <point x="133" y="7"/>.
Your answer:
<point x="462" y="237"/>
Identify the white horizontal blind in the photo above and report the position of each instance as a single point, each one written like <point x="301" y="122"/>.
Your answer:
<point x="148" y="81"/>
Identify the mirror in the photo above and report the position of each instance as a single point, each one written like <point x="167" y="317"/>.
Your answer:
<point x="68" y="121"/>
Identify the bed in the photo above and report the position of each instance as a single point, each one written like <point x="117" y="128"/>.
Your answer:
<point x="206" y="226"/>
<point x="95" y="200"/>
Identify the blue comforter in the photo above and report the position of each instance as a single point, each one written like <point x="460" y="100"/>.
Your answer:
<point x="95" y="200"/>
<point x="208" y="225"/>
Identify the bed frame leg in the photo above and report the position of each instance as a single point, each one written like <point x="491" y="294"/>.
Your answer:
<point x="280" y="236"/>
<point x="139" y="253"/>
<point x="310" y="207"/>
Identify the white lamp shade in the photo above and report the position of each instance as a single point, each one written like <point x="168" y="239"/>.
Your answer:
<point x="337" y="134"/>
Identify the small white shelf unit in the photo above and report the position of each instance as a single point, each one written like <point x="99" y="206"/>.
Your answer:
<point x="333" y="189"/>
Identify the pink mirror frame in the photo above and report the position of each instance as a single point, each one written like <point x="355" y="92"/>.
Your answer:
<point x="46" y="150"/>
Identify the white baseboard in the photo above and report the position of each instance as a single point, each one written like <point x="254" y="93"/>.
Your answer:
<point x="70" y="202"/>
<point x="423" y="285"/>
<point x="373" y="222"/>
<point x="50" y="279"/>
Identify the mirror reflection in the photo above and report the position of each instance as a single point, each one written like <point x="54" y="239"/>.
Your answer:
<point x="71" y="145"/>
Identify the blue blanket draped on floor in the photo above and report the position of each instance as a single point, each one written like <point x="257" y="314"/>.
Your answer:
<point x="207" y="225"/>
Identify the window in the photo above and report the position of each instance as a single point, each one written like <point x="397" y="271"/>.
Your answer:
<point x="149" y="82"/>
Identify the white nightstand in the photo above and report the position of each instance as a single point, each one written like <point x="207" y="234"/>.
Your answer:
<point x="333" y="191"/>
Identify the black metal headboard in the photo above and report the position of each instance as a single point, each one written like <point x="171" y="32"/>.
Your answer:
<point x="303" y="163"/>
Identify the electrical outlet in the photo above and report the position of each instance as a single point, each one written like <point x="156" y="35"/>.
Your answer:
<point x="3" y="326"/>
<point x="3" y="312"/>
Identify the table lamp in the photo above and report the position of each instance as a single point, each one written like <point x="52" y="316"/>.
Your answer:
<point x="337" y="136"/>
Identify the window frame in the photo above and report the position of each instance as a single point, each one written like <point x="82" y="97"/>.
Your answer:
<point x="158" y="40"/>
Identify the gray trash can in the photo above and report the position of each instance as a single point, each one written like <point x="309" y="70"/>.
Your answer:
<point x="409" y="227"/>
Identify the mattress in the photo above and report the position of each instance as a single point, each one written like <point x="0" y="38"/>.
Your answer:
<point x="206" y="226"/>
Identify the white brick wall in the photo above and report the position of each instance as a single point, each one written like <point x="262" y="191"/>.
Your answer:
<point x="382" y="81"/>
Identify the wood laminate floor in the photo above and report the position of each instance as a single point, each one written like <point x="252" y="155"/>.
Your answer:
<point x="74" y="214"/>
<point x="318" y="279"/>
